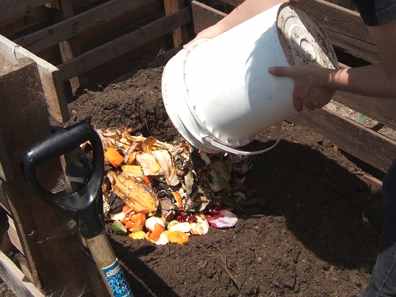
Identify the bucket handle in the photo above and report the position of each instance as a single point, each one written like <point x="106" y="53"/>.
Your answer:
<point x="235" y="151"/>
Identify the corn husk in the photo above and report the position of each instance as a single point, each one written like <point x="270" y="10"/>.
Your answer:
<point x="135" y="194"/>
<point x="167" y="168"/>
<point x="132" y="170"/>
<point x="148" y="163"/>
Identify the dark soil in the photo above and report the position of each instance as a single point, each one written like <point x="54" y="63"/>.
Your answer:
<point x="302" y="232"/>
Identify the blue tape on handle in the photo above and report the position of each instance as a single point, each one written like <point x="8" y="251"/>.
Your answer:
<point x="116" y="280"/>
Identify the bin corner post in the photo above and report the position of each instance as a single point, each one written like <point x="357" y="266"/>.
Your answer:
<point x="56" y="259"/>
<point x="183" y="34"/>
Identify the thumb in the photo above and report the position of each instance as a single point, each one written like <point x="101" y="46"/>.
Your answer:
<point x="281" y="71"/>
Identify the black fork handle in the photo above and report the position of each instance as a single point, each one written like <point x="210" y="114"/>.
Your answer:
<point x="84" y="202"/>
<point x="56" y="145"/>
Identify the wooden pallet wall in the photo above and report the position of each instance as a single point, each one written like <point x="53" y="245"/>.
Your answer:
<point x="92" y="34"/>
<point x="47" y="47"/>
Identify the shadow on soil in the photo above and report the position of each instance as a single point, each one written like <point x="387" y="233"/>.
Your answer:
<point x="323" y="203"/>
<point x="143" y="280"/>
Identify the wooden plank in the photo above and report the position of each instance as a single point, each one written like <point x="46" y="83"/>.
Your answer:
<point x="39" y="17"/>
<point x="380" y="109"/>
<point x="342" y="20"/>
<point x="13" y="88"/>
<point x="355" y="47"/>
<point x="344" y="27"/>
<point x="331" y="16"/>
<point x="23" y="265"/>
<point x="15" y="279"/>
<point x="57" y="106"/>
<point x="124" y="24"/>
<point x="179" y="34"/>
<point x="13" y="235"/>
<point x="204" y="16"/>
<point x="124" y="44"/>
<point x="52" y="248"/>
<point x="12" y="9"/>
<point x="352" y="137"/>
<point x="232" y="2"/>
<point x="71" y="27"/>
<point x="68" y="49"/>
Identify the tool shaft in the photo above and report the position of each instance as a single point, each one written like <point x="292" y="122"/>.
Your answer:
<point x="108" y="265"/>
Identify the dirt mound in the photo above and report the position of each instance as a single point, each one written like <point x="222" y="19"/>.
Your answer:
<point x="301" y="233"/>
<point x="134" y="103"/>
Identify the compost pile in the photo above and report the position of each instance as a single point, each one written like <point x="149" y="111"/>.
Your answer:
<point x="163" y="192"/>
<point x="300" y="229"/>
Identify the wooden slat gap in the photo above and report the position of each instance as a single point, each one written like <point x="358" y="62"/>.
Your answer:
<point x="123" y="44"/>
<point x="72" y="26"/>
<point x="13" y="9"/>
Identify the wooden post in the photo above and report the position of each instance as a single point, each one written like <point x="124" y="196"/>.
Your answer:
<point x="56" y="259"/>
<point x="68" y="49"/>
<point x="11" y="53"/>
<point x="15" y="279"/>
<point x="180" y="35"/>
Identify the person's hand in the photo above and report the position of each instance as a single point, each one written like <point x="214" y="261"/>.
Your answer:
<point x="310" y="85"/>
<point x="208" y="33"/>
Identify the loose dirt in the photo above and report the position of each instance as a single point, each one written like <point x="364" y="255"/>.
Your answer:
<point x="301" y="233"/>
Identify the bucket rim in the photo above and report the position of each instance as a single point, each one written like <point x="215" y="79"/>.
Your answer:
<point x="323" y="43"/>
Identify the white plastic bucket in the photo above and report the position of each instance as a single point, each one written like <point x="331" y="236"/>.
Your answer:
<point x="219" y="94"/>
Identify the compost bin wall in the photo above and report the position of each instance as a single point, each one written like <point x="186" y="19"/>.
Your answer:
<point x="43" y="16"/>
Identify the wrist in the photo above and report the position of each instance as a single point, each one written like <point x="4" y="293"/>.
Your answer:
<point x="324" y="77"/>
<point x="327" y="77"/>
<point x="335" y="76"/>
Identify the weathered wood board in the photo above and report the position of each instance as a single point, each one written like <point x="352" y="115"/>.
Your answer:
<point x="43" y="231"/>
<point x="119" y="46"/>
<point x="15" y="279"/>
<point x="180" y="34"/>
<point x="12" y="53"/>
<point x="12" y="9"/>
<point x="74" y="25"/>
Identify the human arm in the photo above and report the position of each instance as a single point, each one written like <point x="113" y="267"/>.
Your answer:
<point x="241" y="13"/>
<point x="377" y="80"/>
<point x="374" y="80"/>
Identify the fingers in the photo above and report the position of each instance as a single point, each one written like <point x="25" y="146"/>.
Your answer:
<point x="298" y="100"/>
<point x="298" y="92"/>
<point x="302" y="95"/>
<point x="307" y="92"/>
<point x="318" y="98"/>
<point x="281" y="71"/>
<point x="298" y="103"/>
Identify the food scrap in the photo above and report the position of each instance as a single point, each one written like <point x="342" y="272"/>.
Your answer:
<point x="165" y="193"/>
